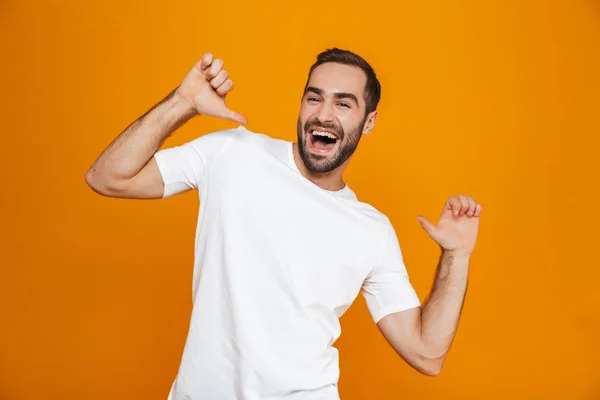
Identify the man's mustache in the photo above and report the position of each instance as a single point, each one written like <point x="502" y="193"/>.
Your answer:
<point x="314" y="124"/>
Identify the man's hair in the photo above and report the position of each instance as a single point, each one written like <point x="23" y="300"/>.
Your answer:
<point x="372" y="87"/>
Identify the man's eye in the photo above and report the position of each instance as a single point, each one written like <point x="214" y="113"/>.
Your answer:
<point x="312" y="99"/>
<point x="344" y="105"/>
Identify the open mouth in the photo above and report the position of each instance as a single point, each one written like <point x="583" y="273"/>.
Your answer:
<point x="322" y="140"/>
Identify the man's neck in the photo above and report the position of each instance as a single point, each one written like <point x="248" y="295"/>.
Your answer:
<point x="328" y="180"/>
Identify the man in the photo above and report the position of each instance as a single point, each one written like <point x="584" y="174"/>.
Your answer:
<point x="283" y="246"/>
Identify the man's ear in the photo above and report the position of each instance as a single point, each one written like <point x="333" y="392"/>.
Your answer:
<point x="370" y="122"/>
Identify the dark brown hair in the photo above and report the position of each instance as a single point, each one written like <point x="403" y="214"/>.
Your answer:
<point x="372" y="87"/>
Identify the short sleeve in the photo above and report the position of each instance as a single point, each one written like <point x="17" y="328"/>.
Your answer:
<point x="387" y="289"/>
<point x="187" y="166"/>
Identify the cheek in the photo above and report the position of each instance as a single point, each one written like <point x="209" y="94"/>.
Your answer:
<point x="306" y="109"/>
<point x="348" y="122"/>
<point x="304" y="115"/>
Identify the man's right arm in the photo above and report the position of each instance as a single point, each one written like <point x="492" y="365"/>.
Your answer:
<point x="127" y="168"/>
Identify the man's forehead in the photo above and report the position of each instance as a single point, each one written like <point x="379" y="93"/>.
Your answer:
<point x="338" y="78"/>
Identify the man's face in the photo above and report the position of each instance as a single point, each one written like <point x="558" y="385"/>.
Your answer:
<point x="332" y="116"/>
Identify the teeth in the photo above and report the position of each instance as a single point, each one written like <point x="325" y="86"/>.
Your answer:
<point x="326" y="134"/>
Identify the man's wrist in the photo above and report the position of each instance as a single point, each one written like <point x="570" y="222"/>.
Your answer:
<point x="182" y="106"/>
<point x="456" y="257"/>
<point x="456" y="253"/>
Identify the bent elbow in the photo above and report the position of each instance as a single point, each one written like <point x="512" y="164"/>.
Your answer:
<point x="92" y="182"/>
<point x="433" y="371"/>
<point x="97" y="184"/>
<point x="431" y="367"/>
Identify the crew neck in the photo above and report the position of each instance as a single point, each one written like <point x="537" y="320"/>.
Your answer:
<point x="345" y="192"/>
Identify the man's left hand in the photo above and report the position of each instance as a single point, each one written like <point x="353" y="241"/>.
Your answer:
<point x="456" y="231"/>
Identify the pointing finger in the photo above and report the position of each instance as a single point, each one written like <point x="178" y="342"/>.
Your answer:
<point x="236" y="117"/>
<point x="428" y="226"/>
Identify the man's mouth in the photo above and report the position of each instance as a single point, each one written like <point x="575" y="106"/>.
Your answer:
<point x="322" y="140"/>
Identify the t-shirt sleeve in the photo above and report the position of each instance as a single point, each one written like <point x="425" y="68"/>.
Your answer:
<point x="387" y="289"/>
<point x="187" y="166"/>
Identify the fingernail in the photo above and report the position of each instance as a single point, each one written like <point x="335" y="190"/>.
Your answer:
<point x="455" y="212"/>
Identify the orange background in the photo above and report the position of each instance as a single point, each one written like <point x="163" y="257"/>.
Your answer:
<point x="496" y="99"/>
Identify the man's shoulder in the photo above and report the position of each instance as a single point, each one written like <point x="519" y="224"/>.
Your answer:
<point x="371" y="213"/>
<point x="227" y="141"/>
<point x="243" y="136"/>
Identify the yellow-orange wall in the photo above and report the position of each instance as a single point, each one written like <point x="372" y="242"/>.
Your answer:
<point x="496" y="99"/>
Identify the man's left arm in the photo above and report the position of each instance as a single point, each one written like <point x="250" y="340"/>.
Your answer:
<point x="422" y="336"/>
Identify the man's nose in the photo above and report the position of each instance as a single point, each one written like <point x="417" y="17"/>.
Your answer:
<point x="325" y="113"/>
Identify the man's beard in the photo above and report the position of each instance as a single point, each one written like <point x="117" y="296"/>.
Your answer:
<point x="327" y="163"/>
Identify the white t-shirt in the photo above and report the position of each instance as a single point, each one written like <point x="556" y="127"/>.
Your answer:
<point x="278" y="260"/>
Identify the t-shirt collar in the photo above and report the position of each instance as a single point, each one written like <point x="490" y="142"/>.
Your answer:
<point x="344" y="192"/>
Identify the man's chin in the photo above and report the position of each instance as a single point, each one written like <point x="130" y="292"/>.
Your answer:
<point x="318" y="161"/>
<point x="319" y="164"/>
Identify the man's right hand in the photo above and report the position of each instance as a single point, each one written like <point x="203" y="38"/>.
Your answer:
<point x="205" y="88"/>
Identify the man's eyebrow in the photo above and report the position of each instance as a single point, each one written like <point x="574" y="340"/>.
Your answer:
<point x="346" y="96"/>
<point x="314" y="90"/>
<point x="319" y="92"/>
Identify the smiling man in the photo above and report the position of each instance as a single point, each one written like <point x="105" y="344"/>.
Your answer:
<point x="283" y="246"/>
<point x="338" y="107"/>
